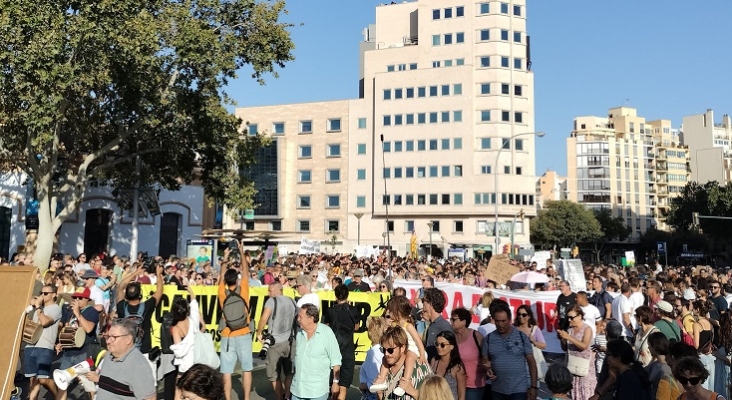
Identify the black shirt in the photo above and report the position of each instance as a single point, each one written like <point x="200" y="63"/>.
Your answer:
<point x="146" y="321"/>
<point x="359" y="287"/>
<point x="564" y="303"/>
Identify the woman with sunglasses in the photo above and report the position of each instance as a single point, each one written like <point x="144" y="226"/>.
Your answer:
<point x="469" y="345"/>
<point x="576" y="341"/>
<point x="526" y="323"/>
<point x="632" y="379"/>
<point x="691" y="374"/>
<point x="385" y="286"/>
<point x="449" y="365"/>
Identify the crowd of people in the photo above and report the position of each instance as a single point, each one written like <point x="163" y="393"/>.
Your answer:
<point x="639" y="332"/>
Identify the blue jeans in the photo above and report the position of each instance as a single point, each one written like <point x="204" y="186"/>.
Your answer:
<point x="474" y="393"/>
<point x="512" y="396"/>
<point x="323" y="397"/>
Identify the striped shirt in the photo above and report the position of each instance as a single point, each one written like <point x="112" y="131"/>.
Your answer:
<point x="508" y="360"/>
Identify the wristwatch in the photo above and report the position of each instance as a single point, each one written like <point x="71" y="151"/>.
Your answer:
<point x="336" y="380"/>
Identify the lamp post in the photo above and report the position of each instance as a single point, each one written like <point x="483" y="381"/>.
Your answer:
<point x="429" y="255"/>
<point x="358" y="217"/>
<point x="384" y="236"/>
<point x="495" y="185"/>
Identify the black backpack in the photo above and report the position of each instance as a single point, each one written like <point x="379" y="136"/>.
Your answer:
<point x="138" y="318"/>
<point x="166" y="338"/>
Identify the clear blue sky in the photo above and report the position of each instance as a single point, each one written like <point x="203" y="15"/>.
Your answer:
<point x="667" y="58"/>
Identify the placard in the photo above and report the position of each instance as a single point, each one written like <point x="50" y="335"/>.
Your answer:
<point x="308" y="246"/>
<point x="500" y="269"/>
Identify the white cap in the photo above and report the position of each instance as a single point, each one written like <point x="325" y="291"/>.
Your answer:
<point x="689" y="294"/>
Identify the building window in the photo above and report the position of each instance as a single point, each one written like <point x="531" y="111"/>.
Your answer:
<point x="436" y="14"/>
<point x="252" y="129"/>
<point x="448" y="38"/>
<point x="460" y="37"/>
<point x="278" y="128"/>
<point x="421" y="145"/>
<point x="505" y="88"/>
<point x="519" y="144"/>
<point x="435" y="226"/>
<point x="410" y="93"/>
<point x="433" y="144"/>
<point x="457" y="89"/>
<point x="517" y="37"/>
<point x="333" y="201"/>
<point x="517" y="11"/>
<point x="485" y="62"/>
<point x="485" y="88"/>
<point x="459" y="11"/>
<point x="409" y="172"/>
<point x="398" y="146"/>
<point x="397" y="172"/>
<point x="333" y="175"/>
<point x="518" y="90"/>
<point x="398" y="94"/>
<point x="387" y="94"/>
<point x="421" y="200"/>
<point x="458" y="170"/>
<point x="507" y="171"/>
<point x="459" y="61"/>
<point x="518" y="117"/>
<point x="518" y="63"/>
<point x="445" y="144"/>
<point x="485" y="143"/>
<point x="504" y="8"/>
<point x="362" y="123"/>
<point x="445" y="90"/>
<point x="306" y="126"/>
<point x="306" y="151"/>
<point x="409" y="144"/>
<point x="385" y="200"/>
<point x="433" y="199"/>
<point x="457" y="116"/>
<point x="303" y="201"/>
<point x="334" y="150"/>
<point x="332" y="225"/>
<point x="433" y="118"/>
<point x="445" y="199"/>
<point x="275" y="225"/>
<point x="421" y="91"/>
<point x="485" y="169"/>
<point x="334" y="125"/>
<point x="457" y="143"/>
<point x="361" y="148"/>
<point x="505" y="116"/>
<point x="304" y="176"/>
<point x="402" y="67"/>
<point x="421" y="172"/>
<point x="409" y="200"/>
<point x="361" y="201"/>
<point x="485" y="35"/>
<point x="408" y="225"/>
<point x="457" y="226"/>
<point x="387" y="120"/>
<point x="448" y="13"/>
<point x="445" y="116"/>
<point x="413" y="66"/>
<point x="433" y="171"/>
<point x="435" y="40"/>
<point x="485" y="115"/>
<point x="361" y="174"/>
<point x="505" y="144"/>
<point x="445" y="171"/>
<point x="457" y="199"/>
<point x="519" y="171"/>
<point x="389" y="68"/>
<point x="410" y="119"/>
<point x="504" y="35"/>
<point x="504" y="62"/>
<point x="303" y="225"/>
<point x="433" y="91"/>
<point x="484" y="8"/>
<point x="387" y="173"/>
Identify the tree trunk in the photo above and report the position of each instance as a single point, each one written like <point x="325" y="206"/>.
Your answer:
<point x="46" y="231"/>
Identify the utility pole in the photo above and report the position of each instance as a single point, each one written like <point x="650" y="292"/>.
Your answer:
<point x="135" y="208"/>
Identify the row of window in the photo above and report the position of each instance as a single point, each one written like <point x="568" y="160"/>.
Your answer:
<point x="485" y="116"/>
<point x="401" y="67"/>
<point x="422" y="199"/>
<point x="448" y="63"/>
<point x="505" y="62"/>
<point x="484" y="35"/>
<point x="448" y="39"/>
<point x="506" y="199"/>
<point x="305" y="126"/>
<point x="483" y="61"/>
<point x="423" y="91"/>
<point x="483" y="8"/>
<point x="331" y="151"/>
<point x="433" y="171"/>
<point x="422" y="118"/>
<point x="331" y="225"/>
<point x="447" y="13"/>
<point x="422" y="145"/>
<point x="458" y="226"/>
<point x="485" y="88"/>
<point x="331" y="201"/>
<point x="331" y="176"/>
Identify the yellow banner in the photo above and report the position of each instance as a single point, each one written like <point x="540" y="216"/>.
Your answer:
<point x="366" y="304"/>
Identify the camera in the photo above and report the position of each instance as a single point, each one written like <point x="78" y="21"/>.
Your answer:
<point x="267" y="340"/>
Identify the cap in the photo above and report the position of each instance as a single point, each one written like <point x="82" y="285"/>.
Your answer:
<point x="664" y="306"/>
<point x="689" y="294"/>
<point x="292" y="274"/>
<point x="89" y="274"/>
<point x="81" y="293"/>
<point x="358" y="272"/>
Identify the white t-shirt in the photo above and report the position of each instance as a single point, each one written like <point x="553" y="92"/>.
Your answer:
<point x="592" y="315"/>
<point x="97" y="296"/>
<point x="311" y="298"/>
<point x="636" y="300"/>
<point x="486" y="329"/>
<point x="620" y="306"/>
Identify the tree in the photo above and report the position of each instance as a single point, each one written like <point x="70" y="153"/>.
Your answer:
<point x="564" y="223"/>
<point x="612" y="228"/>
<point x="708" y="199"/>
<point x="88" y="87"/>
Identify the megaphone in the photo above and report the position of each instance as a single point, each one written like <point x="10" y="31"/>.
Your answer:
<point x="63" y="377"/>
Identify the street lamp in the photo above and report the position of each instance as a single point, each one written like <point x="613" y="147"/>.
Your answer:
<point x="429" y="255"/>
<point x="495" y="184"/>
<point x="384" y="236"/>
<point x="358" y="217"/>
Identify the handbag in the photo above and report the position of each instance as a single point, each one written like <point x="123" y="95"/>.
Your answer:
<point x="203" y="350"/>
<point x="541" y="365"/>
<point x="578" y="366"/>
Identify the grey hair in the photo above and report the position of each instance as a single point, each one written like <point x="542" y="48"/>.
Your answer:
<point x="129" y="326"/>
<point x="311" y="311"/>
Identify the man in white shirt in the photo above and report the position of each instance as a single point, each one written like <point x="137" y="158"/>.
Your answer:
<point x="97" y="295"/>
<point x="636" y="299"/>
<point x="306" y="295"/>
<point x="592" y="314"/>
<point x="622" y="312"/>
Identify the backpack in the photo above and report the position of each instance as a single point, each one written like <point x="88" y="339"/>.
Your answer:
<point x="138" y="319"/>
<point x="166" y="338"/>
<point x="235" y="310"/>
<point x="341" y="332"/>
<point x="685" y="336"/>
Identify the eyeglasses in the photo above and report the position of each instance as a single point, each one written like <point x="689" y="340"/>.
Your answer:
<point x="387" y="316"/>
<point x="46" y="293"/>
<point x="114" y="337"/>
<point x="693" y="380"/>
<point x="572" y="316"/>
<point x="382" y="287"/>
<point x="714" y="287"/>
<point x="453" y="319"/>
<point x="389" y="350"/>
<point x="523" y="315"/>
<point x="441" y="345"/>
<point x="425" y="280"/>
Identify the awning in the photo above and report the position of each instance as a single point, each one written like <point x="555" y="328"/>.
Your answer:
<point x="484" y="247"/>
<point x="436" y="238"/>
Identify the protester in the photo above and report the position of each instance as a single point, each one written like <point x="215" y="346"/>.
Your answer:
<point x="435" y="388"/>
<point x="357" y="285"/>
<point x="601" y="299"/>
<point x="372" y="363"/>
<point x="38" y="357"/>
<point x="632" y="380"/>
<point x="201" y="382"/>
<point x="644" y="316"/>
<point x="704" y="340"/>
<point x="576" y="342"/>
<point x="186" y="321"/>
<point x="666" y="322"/>
<point x="565" y="301"/>
<point x="592" y="315"/>
<point x="316" y="355"/>
<point x="434" y="304"/>
<point x="469" y="343"/>
<point x="449" y="365"/>
<point x="659" y="370"/>
<point x="302" y="285"/>
<point x="278" y="315"/>
<point x="691" y="374"/>
<point x="236" y="340"/>
<point x="482" y="308"/>
<point x="343" y="319"/>
<point x="622" y="311"/>
<point x="559" y="381"/>
<point x="394" y="347"/>
<point x="722" y="363"/>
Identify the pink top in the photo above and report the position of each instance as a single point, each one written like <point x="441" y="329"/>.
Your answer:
<point x="470" y="354"/>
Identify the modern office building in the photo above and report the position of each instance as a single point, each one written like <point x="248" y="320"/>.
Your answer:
<point x="626" y="164"/>
<point x="550" y="187"/>
<point x="445" y="87"/>
<point x="709" y="147"/>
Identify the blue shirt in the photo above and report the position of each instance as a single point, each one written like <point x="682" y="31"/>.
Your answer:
<point x="508" y="360"/>
<point x="314" y="358"/>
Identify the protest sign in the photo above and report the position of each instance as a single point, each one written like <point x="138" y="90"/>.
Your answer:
<point x="572" y="272"/>
<point x="308" y="246"/>
<point x="630" y="258"/>
<point x="500" y="269"/>
<point x="540" y="258"/>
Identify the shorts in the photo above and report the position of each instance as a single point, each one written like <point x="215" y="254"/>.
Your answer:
<point x="69" y="361"/>
<point x="37" y="362"/>
<point x="279" y="361"/>
<point x="233" y="348"/>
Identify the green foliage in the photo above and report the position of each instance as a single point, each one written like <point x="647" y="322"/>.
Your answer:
<point x="708" y="199"/>
<point x="612" y="228"/>
<point x="564" y="223"/>
<point x="86" y="87"/>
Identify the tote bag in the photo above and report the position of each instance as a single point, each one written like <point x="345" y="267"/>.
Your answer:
<point x="204" y="351"/>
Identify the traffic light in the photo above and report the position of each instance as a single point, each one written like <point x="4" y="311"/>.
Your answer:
<point x="575" y="251"/>
<point x="505" y="249"/>
<point x="695" y="219"/>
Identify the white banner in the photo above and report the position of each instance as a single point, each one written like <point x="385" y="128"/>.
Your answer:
<point x="572" y="272"/>
<point x="543" y="305"/>
<point x="282" y="250"/>
<point x="540" y="258"/>
<point x="366" y="251"/>
<point x="308" y="246"/>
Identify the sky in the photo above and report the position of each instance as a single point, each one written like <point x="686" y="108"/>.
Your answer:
<point x="667" y="59"/>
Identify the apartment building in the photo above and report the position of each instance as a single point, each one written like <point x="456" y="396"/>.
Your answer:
<point x="673" y="170"/>
<point x="445" y="87"/>
<point x="613" y="162"/>
<point x="709" y="147"/>
<point x="550" y="187"/>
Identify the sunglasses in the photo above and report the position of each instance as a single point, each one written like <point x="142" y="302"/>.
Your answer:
<point x="572" y="316"/>
<point x="694" y="380"/>
<point x="382" y="287"/>
<point x="389" y="350"/>
<point x="441" y="345"/>
<point x="46" y="293"/>
<point x="714" y="287"/>
<point x="523" y="315"/>
<point x="387" y="316"/>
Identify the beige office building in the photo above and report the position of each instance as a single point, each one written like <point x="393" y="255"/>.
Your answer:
<point x="444" y="85"/>
<point x="709" y="147"/>
<point x="622" y="162"/>
<point x="550" y="187"/>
